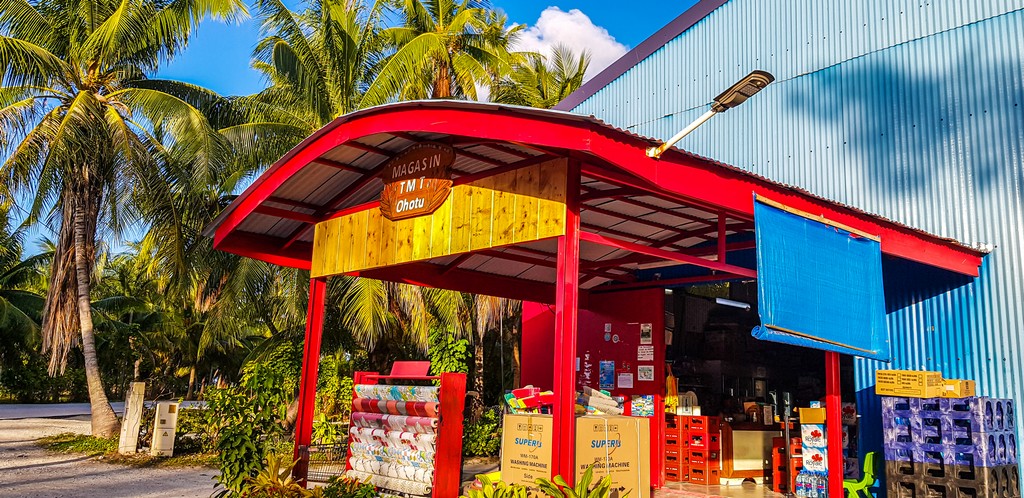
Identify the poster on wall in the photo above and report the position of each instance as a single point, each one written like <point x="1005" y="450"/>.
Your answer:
<point x="642" y="405"/>
<point x="606" y="375"/>
<point x="625" y="380"/>
<point x="645" y="373"/>
<point x="646" y="333"/>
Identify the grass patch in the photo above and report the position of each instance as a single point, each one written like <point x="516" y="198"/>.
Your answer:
<point x="146" y="460"/>
<point x="69" y="442"/>
<point x="106" y="450"/>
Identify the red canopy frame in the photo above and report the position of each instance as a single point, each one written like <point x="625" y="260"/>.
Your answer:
<point x="624" y="212"/>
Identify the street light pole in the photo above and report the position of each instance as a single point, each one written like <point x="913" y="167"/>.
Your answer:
<point x="737" y="94"/>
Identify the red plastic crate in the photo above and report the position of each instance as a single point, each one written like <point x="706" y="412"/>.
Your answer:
<point x="703" y="424"/>
<point x="703" y="457"/>
<point x="705" y="476"/>
<point x="675" y="458"/>
<point x="704" y="441"/>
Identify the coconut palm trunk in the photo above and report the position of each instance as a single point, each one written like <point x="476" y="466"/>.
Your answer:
<point x="104" y="422"/>
<point x="478" y="378"/>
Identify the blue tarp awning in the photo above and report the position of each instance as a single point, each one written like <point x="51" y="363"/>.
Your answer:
<point x="819" y="285"/>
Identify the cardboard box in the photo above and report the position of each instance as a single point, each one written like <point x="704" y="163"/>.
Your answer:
<point x="812" y="416"/>
<point x="526" y="448"/>
<point x="813" y="435"/>
<point x="958" y="388"/>
<point x="616" y="446"/>
<point x="910" y="383"/>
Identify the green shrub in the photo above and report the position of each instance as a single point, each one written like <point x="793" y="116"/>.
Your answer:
<point x="483" y="438"/>
<point x="346" y="487"/>
<point x="326" y="431"/>
<point x="248" y="417"/>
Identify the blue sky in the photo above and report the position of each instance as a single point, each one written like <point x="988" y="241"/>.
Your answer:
<point x="218" y="56"/>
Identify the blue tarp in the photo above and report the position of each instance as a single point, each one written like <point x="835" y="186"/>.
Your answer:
<point x="819" y="286"/>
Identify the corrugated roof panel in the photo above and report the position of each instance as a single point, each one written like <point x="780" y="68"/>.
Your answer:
<point x="912" y="110"/>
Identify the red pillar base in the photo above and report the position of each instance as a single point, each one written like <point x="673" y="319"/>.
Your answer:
<point x="833" y="424"/>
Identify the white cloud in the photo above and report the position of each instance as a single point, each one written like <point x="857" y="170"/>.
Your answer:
<point x="575" y="30"/>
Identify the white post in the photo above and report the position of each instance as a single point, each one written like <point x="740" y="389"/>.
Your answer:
<point x="133" y="401"/>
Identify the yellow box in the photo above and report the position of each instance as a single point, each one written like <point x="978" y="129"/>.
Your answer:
<point x="812" y="415"/>
<point x="957" y="388"/>
<point x="911" y="383"/>
<point x="617" y="446"/>
<point x="526" y="449"/>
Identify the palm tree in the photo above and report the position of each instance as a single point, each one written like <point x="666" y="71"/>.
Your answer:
<point x="443" y="49"/>
<point x="20" y="308"/>
<point x="77" y="122"/>
<point x="540" y="82"/>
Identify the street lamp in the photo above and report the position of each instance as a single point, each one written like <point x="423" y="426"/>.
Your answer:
<point x="737" y="94"/>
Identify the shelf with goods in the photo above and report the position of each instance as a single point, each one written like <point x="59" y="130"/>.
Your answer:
<point x="407" y="439"/>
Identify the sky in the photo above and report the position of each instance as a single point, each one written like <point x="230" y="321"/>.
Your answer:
<point x="218" y="56"/>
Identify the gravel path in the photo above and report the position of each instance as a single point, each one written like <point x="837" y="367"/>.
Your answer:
<point x="26" y="470"/>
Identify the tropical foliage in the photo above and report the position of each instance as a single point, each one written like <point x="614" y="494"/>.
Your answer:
<point x="125" y="170"/>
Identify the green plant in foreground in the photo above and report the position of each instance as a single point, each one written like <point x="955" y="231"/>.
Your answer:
<point x="275" y="481"/>
<point x="346" y="487"/>
<point x="498" y="489"/>
<point x="558" y="488"/>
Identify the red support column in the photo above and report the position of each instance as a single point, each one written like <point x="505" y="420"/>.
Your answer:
<point x="307" y="383"/>
<point x="833" y="424"/>
<point x="566" y="323"/>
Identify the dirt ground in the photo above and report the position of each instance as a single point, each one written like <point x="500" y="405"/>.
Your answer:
<point x="26" y="470"/>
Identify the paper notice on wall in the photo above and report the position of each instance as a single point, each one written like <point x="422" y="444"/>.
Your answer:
<point x="646" y="333"/>
<point x="645" y="372"/>
<point x="645" y="353"/>
<point x="625" y="380"/>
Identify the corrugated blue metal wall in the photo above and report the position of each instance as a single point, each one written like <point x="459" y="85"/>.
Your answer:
<point x="910" y="109"/>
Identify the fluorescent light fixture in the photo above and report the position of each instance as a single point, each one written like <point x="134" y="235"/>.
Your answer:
<point x="735" y="304"/>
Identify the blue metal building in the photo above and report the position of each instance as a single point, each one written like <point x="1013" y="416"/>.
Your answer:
<point x="910" y="109"/>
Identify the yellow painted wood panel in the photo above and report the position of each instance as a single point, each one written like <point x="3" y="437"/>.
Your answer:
<point x="526" y="206"/>
<point x="373" y="227"/>
<point x="462" y="217"/>
<point x="513" y="207"/>
<point x="356" y="257"/>
<point x="480" y="227"/>
<point x="441" y="231"/>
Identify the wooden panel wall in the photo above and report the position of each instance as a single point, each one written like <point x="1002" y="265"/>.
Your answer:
<point x="518" y="206"/>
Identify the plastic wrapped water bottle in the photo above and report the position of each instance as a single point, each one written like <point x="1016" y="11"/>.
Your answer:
<point x="822" y="486"/>
<point x="801" y="485"/>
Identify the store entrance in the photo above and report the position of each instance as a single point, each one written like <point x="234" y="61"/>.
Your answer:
<point x="722" y="371"/>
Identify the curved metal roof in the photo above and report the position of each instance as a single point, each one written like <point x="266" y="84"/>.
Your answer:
<point x="681" y="203"/>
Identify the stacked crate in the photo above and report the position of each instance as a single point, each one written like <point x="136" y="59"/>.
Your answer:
<point x="777" y="478"/>
<point x="704" y="449"/>
<point x="676" y="444"/>
<point x="950" y="447"/>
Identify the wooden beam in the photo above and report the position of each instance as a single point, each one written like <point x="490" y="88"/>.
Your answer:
<point x="323" y="161"/>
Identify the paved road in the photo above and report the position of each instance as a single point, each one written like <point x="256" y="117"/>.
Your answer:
<point x="55" y="410"/>
<point x="26" y="470"/>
